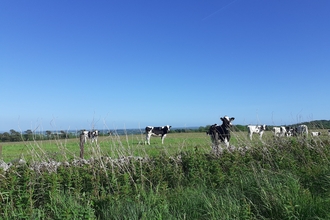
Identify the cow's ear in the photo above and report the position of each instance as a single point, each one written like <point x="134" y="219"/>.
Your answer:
<point x="222" y="119"/>
<point x="232" y="119"/>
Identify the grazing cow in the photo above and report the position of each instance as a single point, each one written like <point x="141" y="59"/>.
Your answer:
<point x="300" y="130"/>
<point x="315" y="133"/>
<point x="258" y="129"/>
<point x="279" y="131"/>
<point x="221" y="133"/>
<point x="157" y="131"/>
<point x="92" y="135"/>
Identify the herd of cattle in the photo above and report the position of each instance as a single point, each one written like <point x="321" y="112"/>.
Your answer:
<point x="218" y="133"/>
<point x="281" y="131"/>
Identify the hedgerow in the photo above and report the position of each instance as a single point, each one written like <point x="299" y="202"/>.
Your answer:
<point x="281" y="179"/>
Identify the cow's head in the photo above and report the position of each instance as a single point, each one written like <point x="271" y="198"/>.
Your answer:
<point x="226" y="121"/>
<point x="167" y="128"/>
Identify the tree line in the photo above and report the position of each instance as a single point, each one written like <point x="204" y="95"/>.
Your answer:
<point x="29" y="135"/>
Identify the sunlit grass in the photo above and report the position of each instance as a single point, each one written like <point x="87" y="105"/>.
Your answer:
<point x="278" y="178"/>
<point x="130" y="145"/>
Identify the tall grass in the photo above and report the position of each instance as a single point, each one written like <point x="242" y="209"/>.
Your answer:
<point x="277" y="178"/>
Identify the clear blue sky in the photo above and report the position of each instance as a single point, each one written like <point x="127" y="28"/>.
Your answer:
<point x="128" y="64"/>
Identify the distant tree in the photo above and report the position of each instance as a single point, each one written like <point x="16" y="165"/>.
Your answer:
<point x="48" y="134"/>
<point x="64" y="134"/>
<point x="28" y="132"/>
<point x="15" y="138"/>
<point x="28" y="136"/>
<point x="12" y="131"/>
<point x="5" y="137"/>
<point x="14" y="135"/>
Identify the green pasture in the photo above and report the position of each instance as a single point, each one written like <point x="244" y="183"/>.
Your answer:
<point x="279" y="178"/>
<point x="129" y="145"/>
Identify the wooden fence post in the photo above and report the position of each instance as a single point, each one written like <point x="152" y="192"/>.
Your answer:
<point x="82" y="143"/>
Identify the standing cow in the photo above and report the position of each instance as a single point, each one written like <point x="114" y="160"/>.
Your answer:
<point x="157" y="131"/>
<point x="289" y="131"/>
<point x="258" y="129"/>
<point x="279" y="131"/>
<point x="92" y="135"/>
<point x="221" y="133"/>
<point x="315" y="133"/>
<point x="300" y="130"/>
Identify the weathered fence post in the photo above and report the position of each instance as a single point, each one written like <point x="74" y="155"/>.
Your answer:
<point x="82" y="143"/>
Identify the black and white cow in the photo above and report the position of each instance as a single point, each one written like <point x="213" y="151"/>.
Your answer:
<point x="157" y="131"/>
<point x="92" y="135"/>
<point x="258" y="129"/>
<point x="300" y="130"/>
<point x="279" y="131"/>
<point x="221" y="133"/>
<point x="315" y="133"/>
<point x="289" y="131"/>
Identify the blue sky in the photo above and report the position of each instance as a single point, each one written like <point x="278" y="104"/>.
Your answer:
<point x="128" y="64"/>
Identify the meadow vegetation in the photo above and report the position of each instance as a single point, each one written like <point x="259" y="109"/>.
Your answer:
<point x="277" y="178"/>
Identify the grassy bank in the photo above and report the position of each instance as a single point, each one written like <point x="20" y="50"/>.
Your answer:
<point x="287" y="178"/>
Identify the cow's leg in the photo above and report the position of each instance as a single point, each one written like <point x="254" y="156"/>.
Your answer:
<point x="163" y="136"/>
<point x="261" y="133"/>
<point x="148" y="138"/>
<point x="250" y="134"/>
<point x="216" y="144"/>
<point x="226" y="142"/>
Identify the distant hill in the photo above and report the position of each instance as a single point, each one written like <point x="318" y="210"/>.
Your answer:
<point x="316" y="124"/>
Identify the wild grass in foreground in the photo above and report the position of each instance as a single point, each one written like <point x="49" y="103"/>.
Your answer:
<point x="284" y="178"/>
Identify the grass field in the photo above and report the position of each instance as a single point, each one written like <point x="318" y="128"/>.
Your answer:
<point x="113" y="146"/>
<point x="278" y="178"/>
<point x="128" y="145"/>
